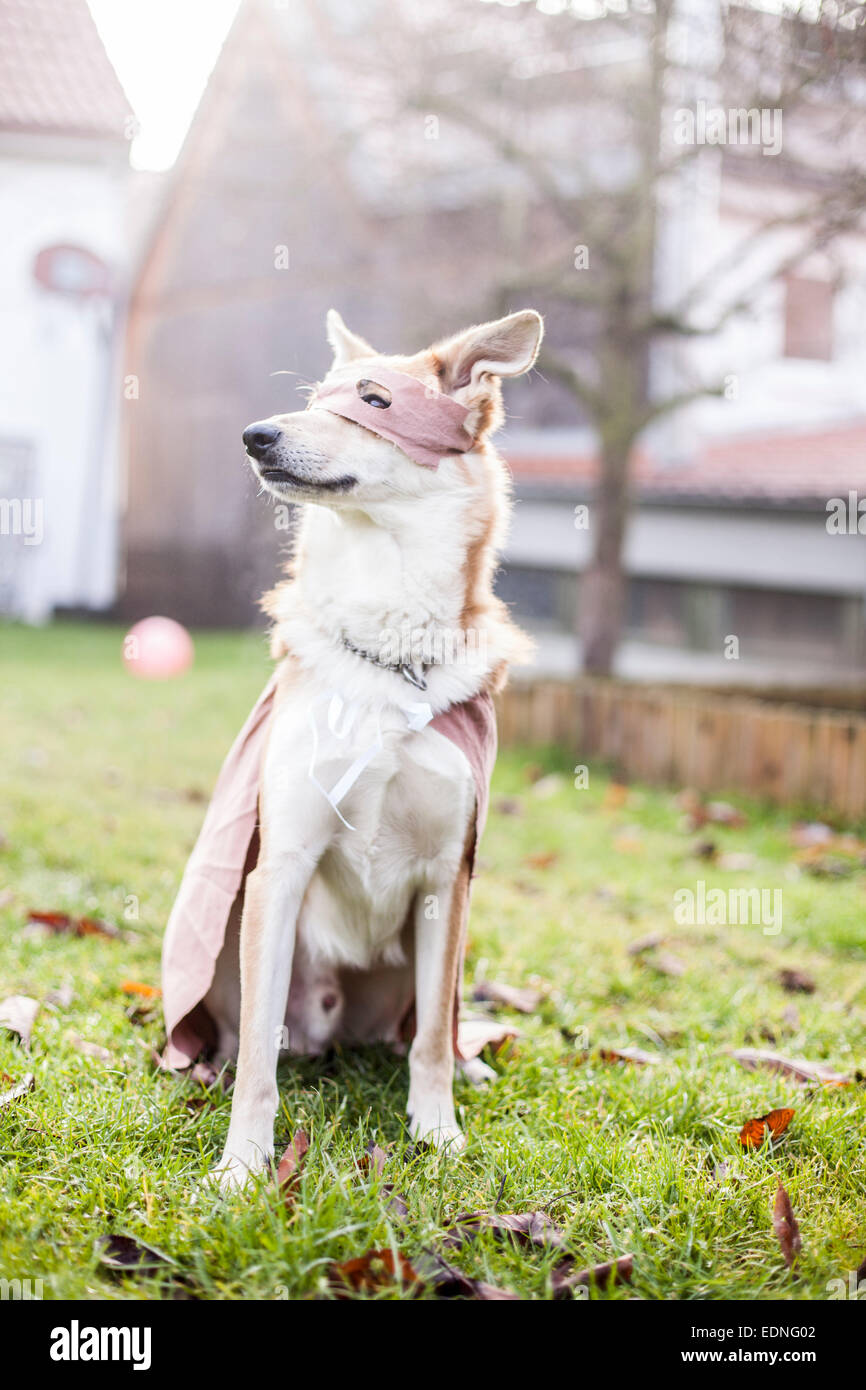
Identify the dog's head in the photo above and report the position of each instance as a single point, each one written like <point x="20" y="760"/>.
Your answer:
<point x="320" y="455"/>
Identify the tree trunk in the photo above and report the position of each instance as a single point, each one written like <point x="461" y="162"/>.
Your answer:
<point x="604" y="585"/>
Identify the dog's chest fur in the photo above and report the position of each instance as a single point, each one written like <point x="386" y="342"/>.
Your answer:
<point x="408" y="812"/>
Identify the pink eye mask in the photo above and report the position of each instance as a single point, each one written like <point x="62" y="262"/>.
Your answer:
<point x="401" y="409"/>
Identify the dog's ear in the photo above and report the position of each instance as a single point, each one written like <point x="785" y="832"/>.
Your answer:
<point x="505" y="347"/>
<point x="345" y="344"/>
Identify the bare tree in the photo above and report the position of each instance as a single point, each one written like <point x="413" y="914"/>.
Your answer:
<point x="578" y="129"/>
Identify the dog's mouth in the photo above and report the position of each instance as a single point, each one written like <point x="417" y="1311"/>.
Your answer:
<point x="283" y="477"/>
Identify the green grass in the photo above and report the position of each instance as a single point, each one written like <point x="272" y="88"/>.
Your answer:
<point x="104" y="779"/>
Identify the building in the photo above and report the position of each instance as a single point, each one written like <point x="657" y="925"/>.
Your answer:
<point x="64" y="155"/>
<point x="300" y="187"/>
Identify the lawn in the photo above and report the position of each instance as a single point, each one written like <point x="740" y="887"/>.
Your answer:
<point x="104" y="784"/>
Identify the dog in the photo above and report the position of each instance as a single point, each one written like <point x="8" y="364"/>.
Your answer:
<point x="388" y="618"/>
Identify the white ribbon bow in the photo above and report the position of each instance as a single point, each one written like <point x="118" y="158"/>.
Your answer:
<point x="342" y="718"/>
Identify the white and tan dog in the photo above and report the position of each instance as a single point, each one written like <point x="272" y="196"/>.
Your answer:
<point x="387" y="546"/>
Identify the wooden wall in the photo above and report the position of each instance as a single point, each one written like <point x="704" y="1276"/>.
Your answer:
<point x="789" y="754"/>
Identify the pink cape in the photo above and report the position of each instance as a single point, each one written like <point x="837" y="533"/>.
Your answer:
<point x="225" y="853"/>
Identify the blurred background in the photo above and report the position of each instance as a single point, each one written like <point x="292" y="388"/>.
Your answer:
<point x="678" y="186"/>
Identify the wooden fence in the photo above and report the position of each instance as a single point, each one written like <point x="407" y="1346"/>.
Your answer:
<point x="789" y="754"/>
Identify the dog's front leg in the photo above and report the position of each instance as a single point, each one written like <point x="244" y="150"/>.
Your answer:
<point x="440" y="919"/>
<point x="274" y="893"/>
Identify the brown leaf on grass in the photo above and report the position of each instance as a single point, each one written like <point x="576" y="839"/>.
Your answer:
<point x="449" y="1282"/>
<point x="563" y="1281"/>
<point x="785" y="1226"/>
<point x="534" y="1228"/>
<point x="122" y="1252"/>
<point x="143" y="991"/>
<point x="27" y="1083"/>
<point x="95" y="926"/>
<point x="291" y="1166"/>
<point x="525" y="1001"/>
<point x="771" y="1125"/>
<point x="634" y="1055"/>
<point x="18" y="1014"/>
<point x="508" y="806"/>
<point x="704" y="849"/>
<point x="372" y="1272"/>
<point x="797" y="982"/>
<point x="542" y="859"/>
<point x="474" y="1034"/>
<point x="56" y="921"/>
<point x="64" y="922"/>
<point x="528" y="1227"/>
<point x="804" y="1071"/>
<point x="373" y="1159"/>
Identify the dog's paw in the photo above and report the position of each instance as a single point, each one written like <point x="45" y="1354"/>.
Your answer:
<point x="231" y="1173"/>
<point x="435" y="1124"/>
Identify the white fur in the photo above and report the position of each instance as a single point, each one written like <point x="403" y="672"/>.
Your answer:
<point x="388" y="551"/>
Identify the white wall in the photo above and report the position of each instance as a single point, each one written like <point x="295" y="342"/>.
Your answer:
<point x="765" y="549"/>
<point x="59" y="374"/>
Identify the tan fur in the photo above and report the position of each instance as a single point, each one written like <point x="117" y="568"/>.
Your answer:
<point x="331" y="895"/>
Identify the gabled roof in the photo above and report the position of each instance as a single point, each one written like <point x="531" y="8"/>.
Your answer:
<point x="55" y="75"/>
<point x="773" y="469"/>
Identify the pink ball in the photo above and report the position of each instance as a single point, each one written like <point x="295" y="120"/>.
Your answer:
<point x="157" y="648"/>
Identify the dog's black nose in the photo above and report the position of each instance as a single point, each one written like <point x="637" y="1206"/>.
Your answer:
<point x="260" y="436"/>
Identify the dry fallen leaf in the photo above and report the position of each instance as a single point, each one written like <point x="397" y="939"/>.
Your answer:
<point x="525" y="1001"/>
<point x="18" y="1014"/>
<point x="529" y="1227"/>
<point x="785" y="1226"/>
<point x="370" y="1273"/>
<point x="563" y="1281"/>
<point x="798" y="1067"/>
<point x="628" y="1054"/>
<point x="143" y="991"/>
<point x="449" y="1282"/>
<point x="474" y="1034"/>
<point x="290" y="1167"/>
<point x="508" y="806"/>
<point x="27" y="1083"/>
<point x="95" y="926"/>
<point x="64" y="922"/>
<point x="796" y="982"/>
<point x="123" y="1252"/>
<point x="774" y="1123"/>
